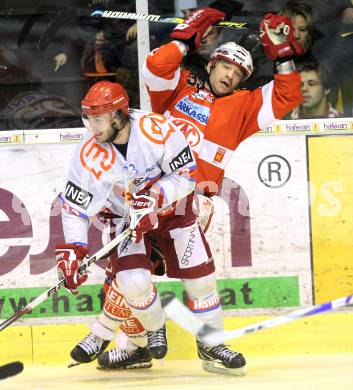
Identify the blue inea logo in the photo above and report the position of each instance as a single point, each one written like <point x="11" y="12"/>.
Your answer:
<point x="193" y="110"/>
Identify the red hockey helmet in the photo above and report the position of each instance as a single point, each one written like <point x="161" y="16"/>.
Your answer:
<point x="105" y="97"/>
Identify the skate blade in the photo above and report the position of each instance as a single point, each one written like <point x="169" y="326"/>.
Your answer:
<point x="130" y="367"/>
<point x="73" y="363"/>
<point x="217" y="368"/>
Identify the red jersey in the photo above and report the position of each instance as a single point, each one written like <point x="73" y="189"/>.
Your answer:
<point x="214" y="126"/>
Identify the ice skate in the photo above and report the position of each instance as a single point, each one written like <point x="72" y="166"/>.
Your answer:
<point x="125" y="359"/>
<point x="157" y="343"/>
<point x="88" y="349"/>
<point x="221" y="360"/>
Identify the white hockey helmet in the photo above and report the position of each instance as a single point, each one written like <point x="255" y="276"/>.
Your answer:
<point x="234" y="53"/>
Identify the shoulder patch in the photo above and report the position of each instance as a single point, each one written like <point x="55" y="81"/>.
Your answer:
<point x="96" y="158"/>
<point x="156" y="128"/>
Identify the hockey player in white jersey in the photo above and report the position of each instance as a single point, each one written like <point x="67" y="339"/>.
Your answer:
<point x="132" y="159"/>
<point x="142" y="160"/>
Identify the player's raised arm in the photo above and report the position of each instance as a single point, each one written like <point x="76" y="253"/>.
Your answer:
<point x="162" y="72"/>
<point x="280" y="96"/>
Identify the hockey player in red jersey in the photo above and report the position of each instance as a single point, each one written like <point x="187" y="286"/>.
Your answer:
<point x="215" y="117"/>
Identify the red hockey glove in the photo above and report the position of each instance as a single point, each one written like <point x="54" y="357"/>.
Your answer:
<point x="196" y="24"/>
<point x="69" y="258"/>
<point x="143" y="212"/>
<point x="277" y="37"/>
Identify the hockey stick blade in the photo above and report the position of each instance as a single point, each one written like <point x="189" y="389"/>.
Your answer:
<point x="292" y="316"/>
<point x="179" y="313"/>
<point x="10" y="369"/>
<point x="82" y="270"/>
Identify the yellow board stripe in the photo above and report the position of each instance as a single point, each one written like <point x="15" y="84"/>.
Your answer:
<point x="51" y="344"/>
<point x="331" y="183"/>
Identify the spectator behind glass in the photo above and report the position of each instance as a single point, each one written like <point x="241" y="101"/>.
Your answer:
<point x="197" y="61"/>
<point x="113" y="53"/>
<point x="306" y="34"/>
<point x="317" y="92"/>
<point x="33" y="96"/>
<point x="301" y="16"/>
<point x="337" y="50"/>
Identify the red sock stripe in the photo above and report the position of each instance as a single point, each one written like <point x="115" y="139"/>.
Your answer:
<point x="145" y="304"/>
<point x="205" y="305"/>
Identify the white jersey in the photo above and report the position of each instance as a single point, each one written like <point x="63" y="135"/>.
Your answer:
<point x="157" y="154"/>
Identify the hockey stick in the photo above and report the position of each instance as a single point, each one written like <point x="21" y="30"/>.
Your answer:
<point x="31" y="20"/>
<point x="53" y="10"/>
<point x="184" y="317"/>
<point x="135" y="216"/>
<point x="68" y="14"/>
<point x="83" y="269"/>
<point x="64" y="16"/>
<point x="10" y="369"/>
<point x="155" y="18"/>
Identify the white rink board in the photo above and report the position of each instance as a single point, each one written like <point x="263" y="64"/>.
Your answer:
<point x="279" y="218"/>
<point x="36" y="175"/>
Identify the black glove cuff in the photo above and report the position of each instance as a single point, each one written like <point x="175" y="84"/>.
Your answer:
<point x="190" y="42"/>
<point x="280" y="60"/>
